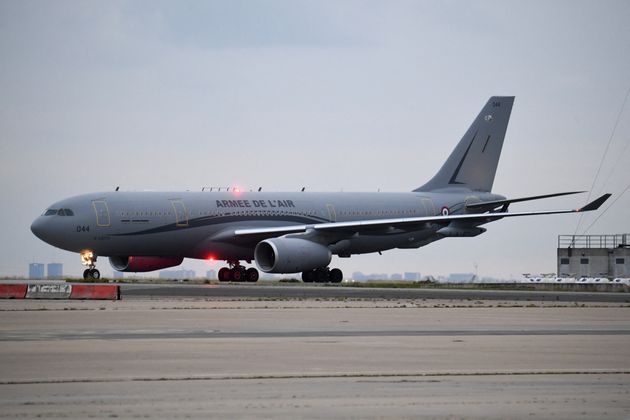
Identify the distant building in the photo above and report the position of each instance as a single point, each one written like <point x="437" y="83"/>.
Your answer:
<point x="211" y="274"/>
<point x="358" y="276"/>
<point x="594" y="256"/>
<point x="396" y="277"/>
<point x="118" y="274"/>
<point x="55" y="271"/>
<point x="412" y="276"/>
<point x="36" y="271"/>
<point x="177" y="274"/>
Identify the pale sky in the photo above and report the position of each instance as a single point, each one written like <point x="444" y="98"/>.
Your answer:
<point x="343" y="95"/>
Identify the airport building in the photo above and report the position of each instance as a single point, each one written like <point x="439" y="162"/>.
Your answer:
<point x="594" y="256"/>
<point x="55" y="271"/>
<point x="36" y="271"/>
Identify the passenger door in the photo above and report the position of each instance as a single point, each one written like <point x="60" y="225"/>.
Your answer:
<point x="102" y="213"/>
<point x="181" y="214"/>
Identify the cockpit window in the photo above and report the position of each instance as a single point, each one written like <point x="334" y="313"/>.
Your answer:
<point x="60" y="212"/>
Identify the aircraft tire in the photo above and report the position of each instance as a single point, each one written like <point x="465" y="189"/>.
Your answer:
<point x="86" y="274"/>
<point x="225" y="274"/>
<point x="251" y="275"/>
<point x="321" y="275"/>
<point x="308" y="276"/>
<point x="237" y="274"/>
<point x="94" y="274"/>
<point x="335" y="275"/>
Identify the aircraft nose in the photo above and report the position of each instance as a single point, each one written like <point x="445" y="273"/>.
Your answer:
<point x="39" y="228"/>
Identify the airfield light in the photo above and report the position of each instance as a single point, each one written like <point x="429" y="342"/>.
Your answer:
<point x="87" y="257"/>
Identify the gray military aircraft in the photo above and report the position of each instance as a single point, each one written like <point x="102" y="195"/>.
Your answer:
<point x="293" y="231"/>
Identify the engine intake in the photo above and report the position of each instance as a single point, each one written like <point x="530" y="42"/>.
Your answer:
<point x="290" y="255"/>
<point x="143" y="264"/>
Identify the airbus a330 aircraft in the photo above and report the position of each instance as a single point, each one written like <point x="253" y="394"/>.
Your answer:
<point x="294" y="231"/>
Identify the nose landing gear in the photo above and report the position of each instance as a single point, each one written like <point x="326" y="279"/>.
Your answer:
<point x="237" y="272"/>
<point x="89" y="259"/>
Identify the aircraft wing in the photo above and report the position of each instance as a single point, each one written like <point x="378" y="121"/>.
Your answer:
<point x="408" y="224"/>
<point x="491" y="205"/>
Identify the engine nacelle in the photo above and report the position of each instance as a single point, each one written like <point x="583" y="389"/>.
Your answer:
<point x="143" y="264"/>
<point x="290" y="255"/>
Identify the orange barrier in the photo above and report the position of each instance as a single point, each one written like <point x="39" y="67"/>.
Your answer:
<point x="95" y="291"/>
<point x="12" y="291"/>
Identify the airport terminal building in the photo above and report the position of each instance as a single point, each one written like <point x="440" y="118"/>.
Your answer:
<point x="594" y="256"/>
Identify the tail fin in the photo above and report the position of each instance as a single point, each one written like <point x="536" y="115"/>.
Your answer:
<point x="474" y="161"/>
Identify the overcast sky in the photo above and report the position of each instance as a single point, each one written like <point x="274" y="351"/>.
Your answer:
<point x="352" y="95"/>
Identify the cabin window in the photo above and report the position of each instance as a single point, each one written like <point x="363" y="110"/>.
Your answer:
<point x="50" y="212"/>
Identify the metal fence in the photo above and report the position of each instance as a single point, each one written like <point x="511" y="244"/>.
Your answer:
<point x="594" y="241"/>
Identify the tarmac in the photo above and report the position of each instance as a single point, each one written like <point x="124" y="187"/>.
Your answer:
<point x="216" y="357"/>
<point x="321" y="291"/>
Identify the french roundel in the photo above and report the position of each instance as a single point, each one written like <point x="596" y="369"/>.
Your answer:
<point x="445" y="211"/>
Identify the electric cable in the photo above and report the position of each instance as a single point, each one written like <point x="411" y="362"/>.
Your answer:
<point x="601" y="162"/>
<point x="606" y="209"/>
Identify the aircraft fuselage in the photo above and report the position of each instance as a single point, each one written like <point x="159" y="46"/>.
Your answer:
<point x="200" y="224"/>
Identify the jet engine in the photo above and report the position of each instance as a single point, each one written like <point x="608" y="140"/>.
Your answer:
<point x="290" y="255"/>
<point x="143" y="264"/>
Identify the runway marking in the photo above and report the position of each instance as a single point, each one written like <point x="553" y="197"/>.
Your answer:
<point x="216" y="334"/>
<point x="317" y="376"/>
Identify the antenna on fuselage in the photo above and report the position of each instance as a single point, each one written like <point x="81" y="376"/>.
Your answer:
<point x="117" y="188"/>
<point x="259" y="189"/>
<point x="303" y="188"/>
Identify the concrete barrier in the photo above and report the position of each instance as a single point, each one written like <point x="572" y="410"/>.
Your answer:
<point x="95" y="291"/>
<point x="48" y="291"/>
<point x="12" y="291"/>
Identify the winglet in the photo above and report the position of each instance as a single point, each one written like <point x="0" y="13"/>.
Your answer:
<point x="595" y="204"/>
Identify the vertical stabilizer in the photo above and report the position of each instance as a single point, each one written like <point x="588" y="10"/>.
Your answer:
<point x="474" y="161"/>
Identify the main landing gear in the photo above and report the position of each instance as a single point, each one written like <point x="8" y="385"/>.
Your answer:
<point x="89" y="259"/>
<point x="237" y="272"/>
<point x="322" y="275"/>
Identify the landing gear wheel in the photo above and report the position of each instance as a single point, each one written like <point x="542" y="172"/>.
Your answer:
<point x="308" y="276"/>
<point x="321" y="275"/>
<point x="225" y="274"/>
<point x="237" y="274"/>
<point x="251" y="275"/>
<point x="89" y="260"/>
<point x="335" y="275"/>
